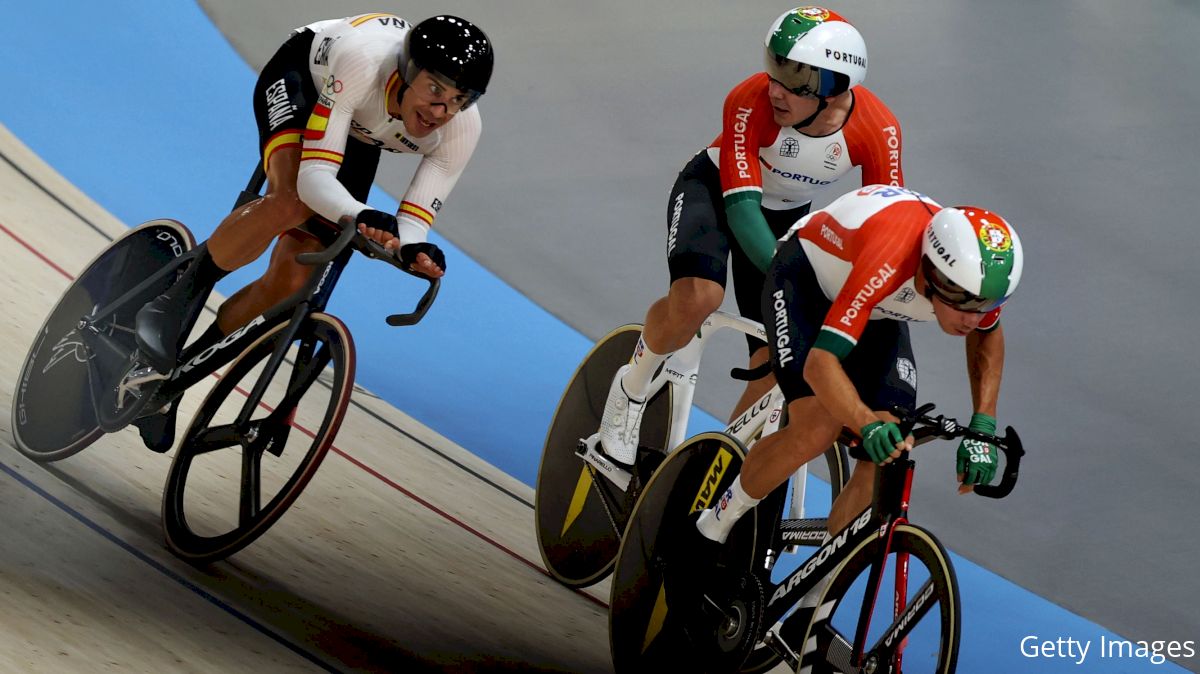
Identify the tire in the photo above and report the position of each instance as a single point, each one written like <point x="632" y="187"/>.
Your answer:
<point x="580" y="516"/>
<point x="933" y="632"/>
<point x="53" y="415"/>
<point x="643" y="633"/>
<point x="228" y="482"/>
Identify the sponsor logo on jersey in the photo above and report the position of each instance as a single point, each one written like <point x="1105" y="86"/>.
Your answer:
<point x="789" y="148"/>
<point x="740" y="160"/>
<point x="321" y="56"/>
<point x="279" y="106"/>
<point x="877" y="281"/>
<point x="407" y="143"/>
<point x="783" y="340"/>
<point x="994" y="237"/>
<point x="833" y="152"/>
<point x="798" y="177"/>
<point x="907" y="372"/>
<point x="905" y="295"/>
<point x="436" y="205"/>
<point x="716" y="471"/>
<point x="333" y="85"/>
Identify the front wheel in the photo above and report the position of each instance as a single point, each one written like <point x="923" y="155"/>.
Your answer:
<point x="915" y="619"/>
<point x="243" y="462"/>
<point x="53" y="415"/>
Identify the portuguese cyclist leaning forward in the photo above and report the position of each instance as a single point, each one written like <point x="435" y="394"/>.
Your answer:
<point x="333" y="96"/>
<point x="839" y="296"/>
<point x="786" y="132"/>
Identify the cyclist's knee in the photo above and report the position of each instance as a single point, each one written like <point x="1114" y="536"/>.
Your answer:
<point x="285" y="206"/>
<point x="695" y="297"/>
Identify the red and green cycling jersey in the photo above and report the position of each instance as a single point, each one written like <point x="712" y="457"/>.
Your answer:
<point x="765" y="165"/>
<point x="865" y="249"/>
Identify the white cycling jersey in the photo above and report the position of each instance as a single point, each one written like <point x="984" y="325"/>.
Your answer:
<point x="353" y="65"/>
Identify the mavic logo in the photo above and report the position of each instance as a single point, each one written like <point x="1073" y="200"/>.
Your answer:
<point x="716" y="471"/>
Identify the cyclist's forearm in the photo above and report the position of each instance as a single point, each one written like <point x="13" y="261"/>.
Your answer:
<point x="985" y="365"/>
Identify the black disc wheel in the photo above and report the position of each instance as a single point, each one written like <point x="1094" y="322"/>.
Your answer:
<point x="56" y="412"/>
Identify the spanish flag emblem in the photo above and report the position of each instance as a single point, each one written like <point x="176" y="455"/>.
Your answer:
<point x="318" y="121"/>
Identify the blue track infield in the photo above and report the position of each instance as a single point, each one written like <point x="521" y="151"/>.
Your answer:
<point x="150" y="115"/>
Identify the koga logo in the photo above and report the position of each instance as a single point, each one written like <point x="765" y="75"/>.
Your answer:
<point x="676" y="215"/>
<point x="833" y="152"/>
<point x="749" y="415"/>
<point x="846" y="57"/>
<point x="893" y="143"/>
<point x="907" y="372"/>
<point x="818" y="559"/>
<point x="831" y="236"/>
<point x="939" y="248"/>
<point x="229" y="339"/>
<point x="789" y="148"/>
<point x="913" y="610"/>
<point x="739" y="143"/>
<point x="716" y="471"/>
<point x="279" y="107"/>
<point x="782" y="339"/>
<point x="868" y="291"/>
<point x="171" y="240"/>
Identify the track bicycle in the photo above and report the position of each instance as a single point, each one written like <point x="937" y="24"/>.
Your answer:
<point x="261" y="432"/>
<point x="583" y="500"/>
<point x="890" y="601"/>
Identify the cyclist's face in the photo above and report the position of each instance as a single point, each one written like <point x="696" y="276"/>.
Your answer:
<point x="955" y="321"/>
<point x="429" y="102"/>
<point x="788" y="108"/>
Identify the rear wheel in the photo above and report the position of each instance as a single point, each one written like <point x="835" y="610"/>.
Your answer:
<point x="53" y="412"/>
<point x="581" y="515"/>
<point x="238" y="469"/>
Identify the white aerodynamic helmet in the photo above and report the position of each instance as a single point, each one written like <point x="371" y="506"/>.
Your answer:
<point x="971" y="258"/>
<point x="815" y="52"/>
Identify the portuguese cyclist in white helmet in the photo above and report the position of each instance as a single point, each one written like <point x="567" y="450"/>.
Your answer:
<point x="787" y="132"/>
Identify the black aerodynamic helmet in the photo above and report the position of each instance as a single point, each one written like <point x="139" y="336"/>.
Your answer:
<point x="453" y="48"/>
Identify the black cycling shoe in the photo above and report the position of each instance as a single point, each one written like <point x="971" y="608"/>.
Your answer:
<point x="158" y="430"/>
<point x="159" y="324"/>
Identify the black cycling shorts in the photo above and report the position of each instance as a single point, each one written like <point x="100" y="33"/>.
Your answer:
<point x="699" y="240"/>
<point x="881" y="365"/>
<point x="284" y="97"/>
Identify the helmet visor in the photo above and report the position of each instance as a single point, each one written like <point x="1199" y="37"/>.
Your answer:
<point x="803" y="79"/>
<point x="953" y="294"/>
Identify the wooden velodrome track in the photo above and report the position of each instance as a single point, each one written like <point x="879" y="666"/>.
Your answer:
<point x="405" y="553"/>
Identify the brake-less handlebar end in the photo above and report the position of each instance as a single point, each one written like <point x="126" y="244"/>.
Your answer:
<point x="1013" y="451"/>
<point x="423" y="304"/>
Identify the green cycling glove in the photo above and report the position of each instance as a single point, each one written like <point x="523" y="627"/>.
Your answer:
<point x="977" y="460"/>
<point x="880" y="439"/>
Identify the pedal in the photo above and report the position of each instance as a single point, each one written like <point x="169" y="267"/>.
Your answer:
<point x="589" y="451"/>
<point x="779" y="646"/>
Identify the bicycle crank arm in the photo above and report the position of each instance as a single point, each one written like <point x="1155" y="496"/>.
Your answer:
<point x="771" y="640"/>
<point x="587" y="450"/>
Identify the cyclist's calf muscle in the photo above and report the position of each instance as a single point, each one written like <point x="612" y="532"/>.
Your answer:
<point x="246" y="232"/>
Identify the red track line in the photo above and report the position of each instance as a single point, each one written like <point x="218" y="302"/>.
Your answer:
<point x="364" y="467"/>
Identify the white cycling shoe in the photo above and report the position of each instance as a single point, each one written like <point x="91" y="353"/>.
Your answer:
<point x="621" y="423"/>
